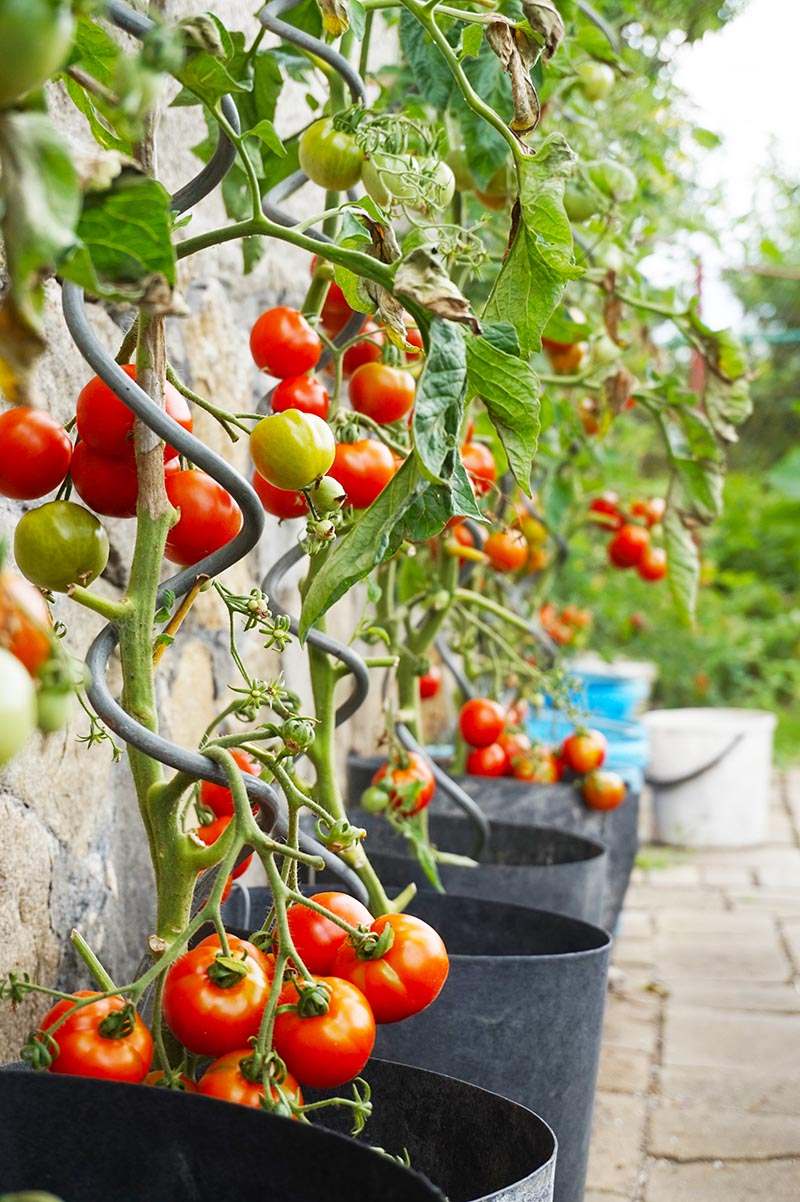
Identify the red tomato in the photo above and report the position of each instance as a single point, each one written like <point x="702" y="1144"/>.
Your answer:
<point x="105" y="423"/>
<point x="652" y="510"/>
<point x="318" y="939"/>
<point x="326" y="1050"/>
<point x="606" y="506"/>
<point x="382" y="392"/>
<point x="108" y="486"/>
<point x="211" y="1008"/>
<point x="367" y="350"/>
<point x="583" y="751"/>
<point x="219" y="798"/>
<point x="413" y="786"/>
<point x="209" y="832"/>
<point x="461" y="534"/>
<point x="407" y="977"/>
<point x="24" y="621"/>
<point x="415" y="338"/>
<point x="283" y="344"/>
<point x="507" y="550"/>
<point x="97" y="1042"/>
<point x="573" y="615"/>
<point x="481" y="721"/>
<point x="653" y="564"/>
<point x="539" y="766"/>
<point x="363" y="469"/>
<point x="307" y="393"/>
<point x="430" y="682"/>
<point x="480" y="465"/>
<point x="568" y="361"/>
<point x="35" y="453"/>
<point x="487" y="761"/>
<point x="280" y="502"/>
<point x="209" y="517"/>
<point x="628" y="546"/>
<point x="603" y="790"/>
<point x="550" y="344"/>
<point x="227" y="1080"/>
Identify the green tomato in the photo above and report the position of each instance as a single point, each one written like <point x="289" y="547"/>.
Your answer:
<point x="327" y="495"/>
<point x="596" y="79"/>
<point x="419" y="183"/>
<point x="60" y="544"/>
<point x="17" y="706"/>
<point x="292" y="449"/>
<point x="580" y="203"/>
<point x="604" y="351"/>
<point x="330" y="157"/>
<point x="374" y="800"/>
<point x="53" y="708"/>
<point x="35" y="37"/>
<point x="614" y="180"/>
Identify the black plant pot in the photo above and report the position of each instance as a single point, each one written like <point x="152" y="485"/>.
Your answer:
<point x="521" y="1013"/>
<point x="526" y="860"/>
<point x="88" y="1141"/>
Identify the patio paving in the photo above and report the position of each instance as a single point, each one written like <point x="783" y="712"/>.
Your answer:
<point x="699" y="1091"/>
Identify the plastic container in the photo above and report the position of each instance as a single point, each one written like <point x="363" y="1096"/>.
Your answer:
<point x="710" y="774"/>
<point x="618" y="690"/>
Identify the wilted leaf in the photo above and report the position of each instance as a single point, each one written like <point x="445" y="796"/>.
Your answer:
<point x="617" y="389"/>
<point x="514" y="53"/>
<point x="545" y="20"/>
<point x="727" y="406"/>
<point x="723" y="351"/>
<point x="421" y="277"/>
<point x="335" y="17"/>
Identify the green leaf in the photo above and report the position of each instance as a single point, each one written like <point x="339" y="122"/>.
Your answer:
<point x="471" y="41"/>
<point x="684" y="565"/>
<point x="358" y="17"/>
<point x="41" y="204"/>
<point x="205" y="80"/>
<point x="355" y="554"/>
<point x="126" y="233"/>
<point x="785" y="475"/>
<point x="430" y="71"/>
<point x="439" y="402"/>
<point x="265" y="132"/>
<point x="509" y="389"/>
<point x="706" y="138"/>
<point x="539" y="260"/>
<point x="727" y="406"/>
<point x="561" y="328"/>
<point x="99" y="124"/>
<point x="95" y="51"/>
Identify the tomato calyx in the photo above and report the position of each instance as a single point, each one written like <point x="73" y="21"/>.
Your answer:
<point x="40" y="1050"/>
<point x="313" y="999"/>
<point x="373" y="945"/>
<point x="119" y="1024"/>
<point x="339" y="836"/>
<point x="297" y="734"/>
<point x="227" y="971"/>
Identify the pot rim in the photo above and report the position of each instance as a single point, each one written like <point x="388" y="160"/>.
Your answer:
<point x="595" y="847"/>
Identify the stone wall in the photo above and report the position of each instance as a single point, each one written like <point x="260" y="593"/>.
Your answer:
<point x="72" y="849"/>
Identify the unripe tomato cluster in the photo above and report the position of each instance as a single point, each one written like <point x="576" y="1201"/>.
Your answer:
<point x="352" y="972"/>
<point x="630" y="545"/>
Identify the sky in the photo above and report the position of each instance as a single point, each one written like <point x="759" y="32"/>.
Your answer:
<point x="745" y="86"/>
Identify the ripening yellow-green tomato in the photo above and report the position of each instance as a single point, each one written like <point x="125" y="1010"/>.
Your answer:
<point x="292" y="449"/>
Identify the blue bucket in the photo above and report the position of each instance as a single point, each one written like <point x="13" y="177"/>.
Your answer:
<point x="627" y="741"/>
<point x="616" y="697"/>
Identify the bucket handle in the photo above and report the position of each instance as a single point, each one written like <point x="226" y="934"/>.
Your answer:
<point x="687" y="777"/>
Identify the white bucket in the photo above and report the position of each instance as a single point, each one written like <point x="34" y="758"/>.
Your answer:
<point x="710" y="774"/>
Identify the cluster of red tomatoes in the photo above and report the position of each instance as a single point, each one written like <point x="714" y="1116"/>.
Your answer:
<point x="499" y="748"/>
<point x="564" y="626"/>
<point x="631" y="543"/>
<point x="213" y="1003"/>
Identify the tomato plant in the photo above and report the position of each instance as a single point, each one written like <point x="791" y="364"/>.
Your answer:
<point x="410" y="783"/>
<point x="59" y="545"/>
<point x="234" y="1077"/>
<point x="430" y="682"/>
<point x="363" y="468"/>
<point x="628" y="546"/>
<point x="218" y="798"/>
<point x="280" y="502"/>
<point x="283" y="344"/>
<point x="481" y="721"/>
<point x="35" y="454"/>
<point x="330" y="156"/>
<point x="489" y="760"/>
<point x="213" y="1003"/>
<point x="507" y="550"/>
<point x="25" y="624"/>
<point x="306" y="393"/>
<point x="584" y="750"/>
<point x="604" y="790"/>
<point x="105" y="423"/>
<point x="108" y="486"/>
<point x="292" y="449"/>
<point x="317" y="938"/>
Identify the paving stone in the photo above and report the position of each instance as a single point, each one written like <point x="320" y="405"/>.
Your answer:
<point x="617" y="1140"/>
<point x="695" y="1036"/>
<point x="634" y="953"/>
<point x="720" y="956"/>
<point x="727" y="874"/>
<point x="737" y="995"/>
<point x="596" y="1195"/>
<point x="791" y="932"/>
<point x="780" y="829"/>
<point x="699" y="1133"/>
<point x="652" y="897"/>
<point x="746" y="1088"/>
<point x="632" y="1024"/>
<point x="623" y="1070"/>
<point x="636" y="923"/>
<point x="674" y="874"/>
<point x="775" y="1181"/>
<point x="741" y="923"/>
<point x="780" y="902"/>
